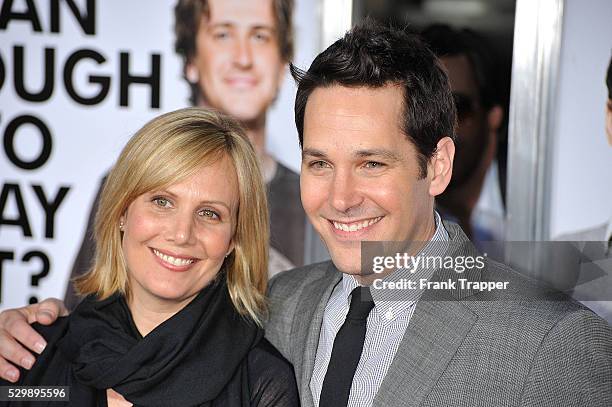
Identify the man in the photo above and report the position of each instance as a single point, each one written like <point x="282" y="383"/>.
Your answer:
<point x="235" y="55"/>
<point x="596" y="294"/>
<point x="609" y="103"/>
<point x="375" y="117"/>
<point x="473" y="197"/>
<point x="601" y="233"/>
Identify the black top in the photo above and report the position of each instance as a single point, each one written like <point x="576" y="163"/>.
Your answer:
<point x="205" y="355"/>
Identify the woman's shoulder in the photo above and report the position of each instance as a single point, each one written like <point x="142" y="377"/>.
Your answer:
<point x="271" y="377"/>
<point x="52" y="332"/>
<point x="48" y="367"/>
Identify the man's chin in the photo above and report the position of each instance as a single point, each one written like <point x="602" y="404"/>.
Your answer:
<point x="246" y="115"/>
<point x="347" y="266"/>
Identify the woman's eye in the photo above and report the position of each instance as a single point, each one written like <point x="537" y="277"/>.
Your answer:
<point x="162" y="202"/>
<point x="207" y="213"/>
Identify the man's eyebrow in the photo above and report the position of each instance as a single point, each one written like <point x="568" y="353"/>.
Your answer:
<point x="263" y="27"/>
<point x="378" y="152"/>
<point x="230" y="24"/>
<point x="369" y="153"/>
<point x="311" y="152"/>
<point x="220" y="24"/>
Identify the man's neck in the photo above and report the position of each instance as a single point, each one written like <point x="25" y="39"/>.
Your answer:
<point x="256" y="132"/>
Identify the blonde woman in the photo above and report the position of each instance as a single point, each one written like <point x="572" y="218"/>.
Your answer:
<point x="174" y="302"/>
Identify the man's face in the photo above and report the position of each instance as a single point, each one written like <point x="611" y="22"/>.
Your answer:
<point x="360" y="175"/>
<point x="237" y="58"/>
<point x="472" y="127"/>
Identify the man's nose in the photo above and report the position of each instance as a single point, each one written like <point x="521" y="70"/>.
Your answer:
<point x="243" y="53"/>
<point x="344" y="194"/>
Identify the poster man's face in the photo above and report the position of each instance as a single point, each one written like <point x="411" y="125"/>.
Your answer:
<point x="237" y="58"/>
<point x="360" y="175"/>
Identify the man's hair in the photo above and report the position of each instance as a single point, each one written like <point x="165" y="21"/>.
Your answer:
<point x="609" y="79"/>
<point x="188" y="17"/>
<point x="168" y="149"/>
<point x="447" y="41"/>
<point x="375" y="55"/>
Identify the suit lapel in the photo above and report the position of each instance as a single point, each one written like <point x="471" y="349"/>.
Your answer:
<point x="307" y="327"/>
<point x="434" y="334"/>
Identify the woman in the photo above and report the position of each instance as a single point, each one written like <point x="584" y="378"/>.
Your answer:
<point x="175" y="298"/>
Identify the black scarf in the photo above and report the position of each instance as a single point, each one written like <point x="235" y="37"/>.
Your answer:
<point x="197" y="357"/>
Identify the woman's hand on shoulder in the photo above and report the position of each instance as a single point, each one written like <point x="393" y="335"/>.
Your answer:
<point x="115" y="399"/>
<point x="16" y="335"/>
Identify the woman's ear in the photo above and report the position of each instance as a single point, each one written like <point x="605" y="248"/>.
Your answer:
<point x="231" y="248"/>
<point x="440" y="168"/>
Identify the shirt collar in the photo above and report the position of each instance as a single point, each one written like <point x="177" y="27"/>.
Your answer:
<point x="431" y="249"/>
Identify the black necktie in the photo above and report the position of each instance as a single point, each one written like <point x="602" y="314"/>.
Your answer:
<point x="346" y="351"/>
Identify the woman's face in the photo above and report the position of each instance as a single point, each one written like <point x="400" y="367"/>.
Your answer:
<point x="175" y="239"/>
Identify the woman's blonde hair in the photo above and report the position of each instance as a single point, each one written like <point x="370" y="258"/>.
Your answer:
<point x="167" y="150"/>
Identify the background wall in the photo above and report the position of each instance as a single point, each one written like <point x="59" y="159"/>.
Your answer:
<point x="38" y="241"/>
<point x="581" y="193"/>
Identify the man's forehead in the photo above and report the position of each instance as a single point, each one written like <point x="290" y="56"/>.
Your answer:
<point x="362" y="117"/>
<point x="247" y="13"/>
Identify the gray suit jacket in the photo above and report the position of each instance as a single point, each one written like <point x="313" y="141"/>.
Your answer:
<point x="518" y="347"/>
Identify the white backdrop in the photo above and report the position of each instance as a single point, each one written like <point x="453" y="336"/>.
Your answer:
<point x="582" y="160"/>
<point x="35" y="259"/>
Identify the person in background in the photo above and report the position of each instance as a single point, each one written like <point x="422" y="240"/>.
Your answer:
<point x="609" y="104"/>
<point x="603" y="232"/>
<point x="235" y="55"/>
<point x="597" y="294"/>
<point x="176" y="297"/>
<point x="473" y="199"/>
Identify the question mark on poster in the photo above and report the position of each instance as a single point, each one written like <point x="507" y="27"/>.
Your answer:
<point x="42" y="273"/>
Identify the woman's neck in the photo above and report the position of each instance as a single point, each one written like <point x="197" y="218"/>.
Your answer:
<point x="148" y="314"/>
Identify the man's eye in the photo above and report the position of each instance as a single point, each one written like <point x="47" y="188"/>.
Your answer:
<point x="374" y="164"/>
<point x="162" y="202"/>
<point x="263" y="37"/>
<point x="207" y="213"/>
<point x="220" y="35"/>
<point x="319" y="164"/>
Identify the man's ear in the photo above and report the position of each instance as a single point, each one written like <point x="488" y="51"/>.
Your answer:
<point x="440" y="168"/>
<point x="282" y="73"/>
<point x="281" y="78"/>
<point x="191" y="73"/>
<point x="495" y="116"/>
